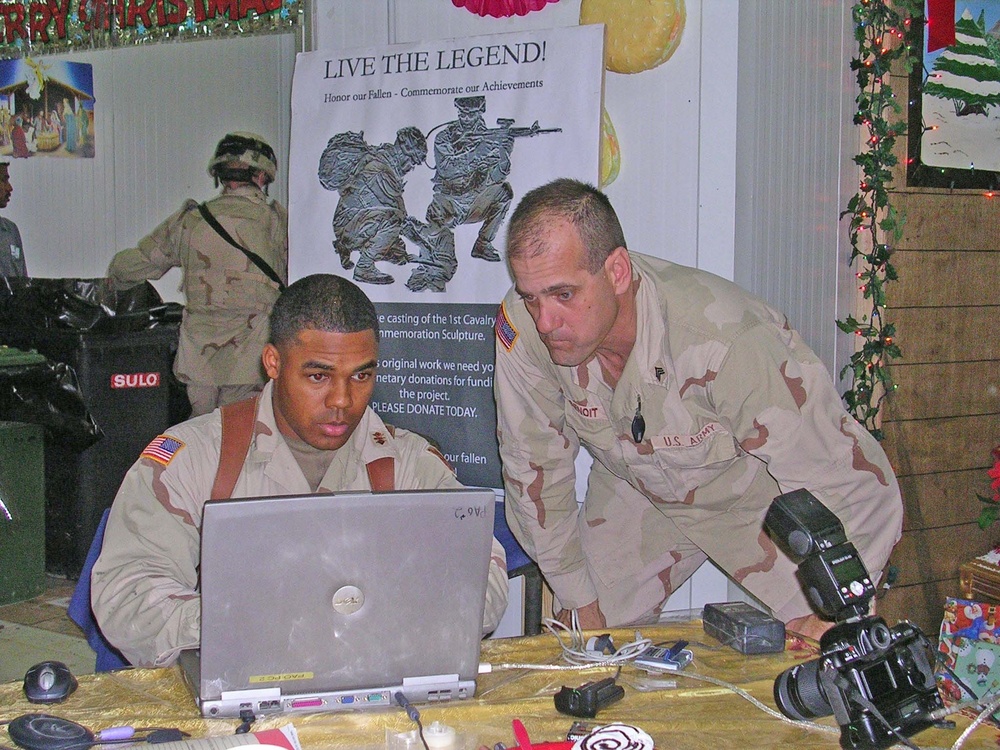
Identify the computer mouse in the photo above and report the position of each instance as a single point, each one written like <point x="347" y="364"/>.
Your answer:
<point x="48" y="682"/>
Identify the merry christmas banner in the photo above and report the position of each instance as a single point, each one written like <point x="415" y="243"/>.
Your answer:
<point x="46" y="26"/>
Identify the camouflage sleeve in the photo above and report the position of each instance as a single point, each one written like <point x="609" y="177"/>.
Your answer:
<point x="156" y="253"/>
<point x="144" y="583"/>
<point x="778" y="400"/>
<point x="424" y="467"/>
<point x="538" y="451"/>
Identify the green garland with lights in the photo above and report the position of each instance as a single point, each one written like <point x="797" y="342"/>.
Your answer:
<point x="881" y="29"/>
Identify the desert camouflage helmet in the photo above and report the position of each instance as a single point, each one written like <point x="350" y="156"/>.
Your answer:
<point x="244" y="150"/>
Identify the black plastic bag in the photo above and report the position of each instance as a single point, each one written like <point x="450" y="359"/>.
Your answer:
<point x="48" y="394"/>
<point x="82" y="305"/>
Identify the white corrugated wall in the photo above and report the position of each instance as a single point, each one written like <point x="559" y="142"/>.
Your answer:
<point x="794" y="175"/>
<point x="159" y="111"/>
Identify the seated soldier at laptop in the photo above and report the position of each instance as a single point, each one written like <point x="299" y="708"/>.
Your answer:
<point x="310" y="430"/>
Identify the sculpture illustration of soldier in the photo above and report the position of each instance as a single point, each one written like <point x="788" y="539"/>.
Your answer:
<point x="471" y="165"/>
<point x="370" y="213"/>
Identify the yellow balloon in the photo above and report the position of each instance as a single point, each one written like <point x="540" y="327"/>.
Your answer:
<point x="611" y="159"/>
<point x="640" y="34"/>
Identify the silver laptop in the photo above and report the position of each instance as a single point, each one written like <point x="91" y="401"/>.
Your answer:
<point x="336" y="602"/>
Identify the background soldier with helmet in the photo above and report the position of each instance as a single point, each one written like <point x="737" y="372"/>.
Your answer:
<point x="228" y="294"/>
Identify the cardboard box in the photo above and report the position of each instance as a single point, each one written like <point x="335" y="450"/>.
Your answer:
<point x="980" y="578"/>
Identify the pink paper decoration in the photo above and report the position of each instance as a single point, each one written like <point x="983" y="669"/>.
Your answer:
<point x="501" y="8"/>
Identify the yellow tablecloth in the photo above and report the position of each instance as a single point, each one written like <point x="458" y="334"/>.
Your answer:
<point x="692" y="715"/>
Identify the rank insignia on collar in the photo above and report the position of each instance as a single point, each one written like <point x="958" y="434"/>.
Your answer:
<point x="379" y="438"/>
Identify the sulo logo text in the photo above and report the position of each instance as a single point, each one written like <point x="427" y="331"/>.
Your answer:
<point x="135" y="380"/>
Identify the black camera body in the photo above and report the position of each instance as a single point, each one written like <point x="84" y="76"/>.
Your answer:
<point x="877" y="681"/>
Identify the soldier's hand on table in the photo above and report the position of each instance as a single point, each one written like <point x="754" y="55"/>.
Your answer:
<point x="589" y="616"/>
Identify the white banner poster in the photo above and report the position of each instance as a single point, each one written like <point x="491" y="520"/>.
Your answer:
<point x="406" y="161"/>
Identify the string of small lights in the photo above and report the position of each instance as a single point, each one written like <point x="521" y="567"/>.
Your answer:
<point x="881" y="29"/>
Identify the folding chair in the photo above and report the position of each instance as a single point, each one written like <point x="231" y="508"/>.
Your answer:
<point x="108" y="657"/>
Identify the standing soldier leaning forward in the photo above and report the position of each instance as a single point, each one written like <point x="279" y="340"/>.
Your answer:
<point x="699" y="404"/>
<point x="228" y="291"/>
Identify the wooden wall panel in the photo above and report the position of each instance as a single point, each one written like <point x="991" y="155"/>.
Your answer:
<point x="943" y="498"/>
<point x="948" y="389"/>
<point x="946" y="334"/>
<point x="940" y="278"/>
<point x="941" y="220"/>
<point x="921" y="603"/>
<point x="936" y="554"/>
<point x="943" y="419"/>
<point x="926" y="446"/>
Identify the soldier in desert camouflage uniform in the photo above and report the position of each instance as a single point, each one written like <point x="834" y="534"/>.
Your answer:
<point x="227" y="297"/>
<point x="313" y="432"/>
<point x="698" y="403"/>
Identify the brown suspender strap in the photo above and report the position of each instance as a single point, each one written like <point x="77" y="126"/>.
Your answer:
<point x="237" y="432"/>
<point x="382" y="474"/>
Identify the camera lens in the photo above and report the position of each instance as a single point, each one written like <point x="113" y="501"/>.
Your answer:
<point x="799" y="694"/>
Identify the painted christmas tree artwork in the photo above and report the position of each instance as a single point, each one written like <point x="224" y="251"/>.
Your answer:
<point x="961" y="96"/>
<point x="967" y="73"/>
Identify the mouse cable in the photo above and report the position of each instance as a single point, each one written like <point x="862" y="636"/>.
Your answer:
<point x="487" y="667"/>
<point x="413" y="713"/>
<point x="125" y="735"/>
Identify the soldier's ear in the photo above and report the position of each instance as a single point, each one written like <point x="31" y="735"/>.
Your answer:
<point x="618" y="267"/>
<point x="271" y="358"/>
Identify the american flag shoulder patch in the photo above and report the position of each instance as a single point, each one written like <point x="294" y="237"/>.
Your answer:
<point x="505" y="330"/>
<point x="162" y="449"/>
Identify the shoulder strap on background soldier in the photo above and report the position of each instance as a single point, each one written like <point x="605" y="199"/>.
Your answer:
<point x="237" y="433"/>
<point x="254" y="258"/>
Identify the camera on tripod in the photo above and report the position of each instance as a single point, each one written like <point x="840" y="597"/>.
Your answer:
<point x="877" y="681"/>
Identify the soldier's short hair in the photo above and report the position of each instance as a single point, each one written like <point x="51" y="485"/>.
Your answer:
<point x="322" y="302"/>
<point x="582" y="204"/>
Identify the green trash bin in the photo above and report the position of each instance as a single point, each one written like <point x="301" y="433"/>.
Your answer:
<point x="22" y="512"/>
